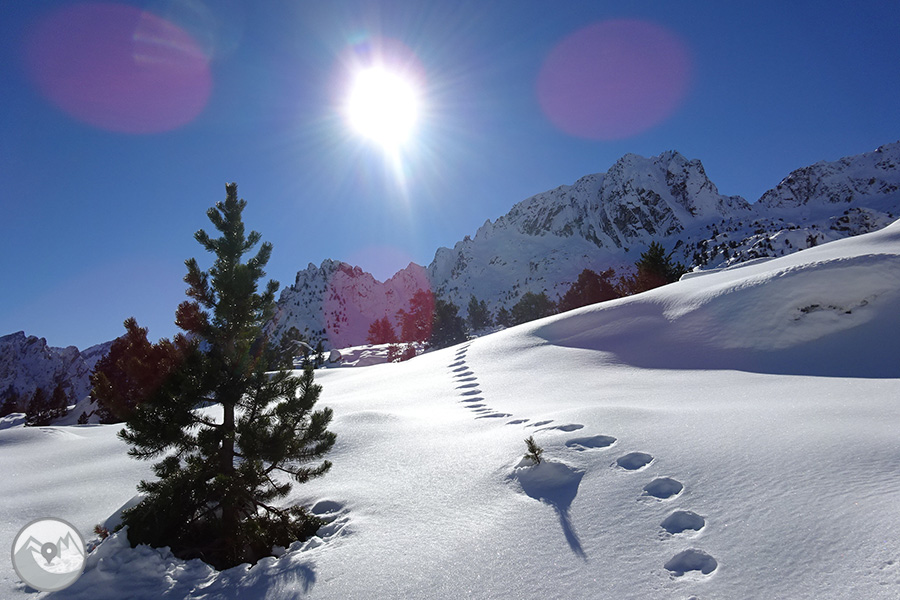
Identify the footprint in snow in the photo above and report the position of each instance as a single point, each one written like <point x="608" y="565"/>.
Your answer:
<point x="517" y="421"/>
<point x="682" y="520"/>
<point x="473" y="399"/>
<point x="663" y="488"/>
<point x="334" y="515"/>
<point x="634" y="461"/>
<point x="566" y="428"/>
<point x="458" y="363"/>
<point x="466" y="386"/>
<point x="493" y="415"/>
<point x="539" y="423"/>
<point x="461" y="369"/>
<point x="691" y="559"/>
<point x="588" y="443"/>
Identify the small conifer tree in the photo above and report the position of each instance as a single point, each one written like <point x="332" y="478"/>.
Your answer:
<point x="416" y="323"/>
<point x="447" y="328"/>
<point x="42" y="409"/>
<point x="132" y="370"/>
<point x="290" y="345"/>
<point x="656" y="268"/>
<point x="223" y="472"/>
<point x="589" y="288"/>
<point x="382" y="332"/>
<point x="504" y="319"/>
<point x="9" y="401"/>
<point x="532" y="306"/>
<point x="38" y="406"/>
<point x="534" y="451"/>
<point x="478" y="314"/>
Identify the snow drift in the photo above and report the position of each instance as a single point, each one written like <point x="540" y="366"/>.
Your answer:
<point x="816" y="312"/>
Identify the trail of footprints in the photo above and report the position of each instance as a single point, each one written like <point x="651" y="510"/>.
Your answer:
<point x="661" y="488"/>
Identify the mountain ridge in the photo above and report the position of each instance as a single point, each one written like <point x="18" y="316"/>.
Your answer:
<point x="606" y="220"/>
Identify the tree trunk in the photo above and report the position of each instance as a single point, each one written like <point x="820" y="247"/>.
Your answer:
<point x="230" y="516"/>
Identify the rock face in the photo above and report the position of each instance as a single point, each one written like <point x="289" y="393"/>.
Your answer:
<point x="27" y="362"/>
<point x="345" y="300"/>
<point x="606" y="220"/>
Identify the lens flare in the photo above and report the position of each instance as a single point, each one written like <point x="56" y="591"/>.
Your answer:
<point x="353" y="301"/>
<point x="614" y="79"/>
<point x="119" y="68"/>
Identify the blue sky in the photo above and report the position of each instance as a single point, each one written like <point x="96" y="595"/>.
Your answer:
<point x="99" y="200"/>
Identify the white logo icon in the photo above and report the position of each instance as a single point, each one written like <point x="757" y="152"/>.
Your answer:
<point x="48" y="554"/>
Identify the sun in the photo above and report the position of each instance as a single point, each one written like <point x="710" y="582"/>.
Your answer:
<point x="383" y="106"/>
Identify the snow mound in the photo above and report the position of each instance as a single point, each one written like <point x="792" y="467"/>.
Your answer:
<point x="816" y="312"/>
<point x="12" y="420"/>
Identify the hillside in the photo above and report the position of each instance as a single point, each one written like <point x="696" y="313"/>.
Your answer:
<point x="731" y="432"/>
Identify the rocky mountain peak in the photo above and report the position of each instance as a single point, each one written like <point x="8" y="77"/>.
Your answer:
<point x="866" y="178"/>
<point x="606" y="220"/>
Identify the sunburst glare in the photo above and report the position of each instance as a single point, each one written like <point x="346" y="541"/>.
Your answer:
<point x="383" y="107"/>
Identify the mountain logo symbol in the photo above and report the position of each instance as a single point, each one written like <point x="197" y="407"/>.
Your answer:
<point x="49" y="554"/>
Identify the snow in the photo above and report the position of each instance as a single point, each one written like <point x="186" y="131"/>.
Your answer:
<point x="708" y="439"/>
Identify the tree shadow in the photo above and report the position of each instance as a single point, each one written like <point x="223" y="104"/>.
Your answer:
<point x="556" y="484"/>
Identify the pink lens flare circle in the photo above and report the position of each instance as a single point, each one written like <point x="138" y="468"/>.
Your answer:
<point x="118" y="68"/>
<point x="614" y="79"/>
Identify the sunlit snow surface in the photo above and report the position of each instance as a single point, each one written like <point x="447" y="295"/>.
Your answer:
<point x="718" y="438"/>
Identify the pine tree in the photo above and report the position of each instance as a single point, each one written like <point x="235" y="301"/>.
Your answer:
<point x="382" y="332"/>
<point x="479" y="315"/>
<point x="534" y="451"/>
<point x="38" y="412"/>
<point x="415" y="324"/>
<point x="222" y="472"/>
<point x="447" y="327"/>
<point x="132" y="370"/>
<point x="320" y="354"/>
<point x="504" y="319"/>
<point x="290" y="345"/>
<point x="656" y="268"/>
<point x="59" y="401"/>
<point x="589" y="288"/>
<point x="9" y="401"/>
<point x="532" y="306"/>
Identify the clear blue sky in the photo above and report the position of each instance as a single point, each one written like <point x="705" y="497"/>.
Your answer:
<point x="103" y="187"/>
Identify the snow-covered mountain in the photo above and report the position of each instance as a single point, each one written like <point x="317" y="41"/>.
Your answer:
<point x="27" y="363"/>
<point x="344" y="300"/>
<point x="606" y="220"/>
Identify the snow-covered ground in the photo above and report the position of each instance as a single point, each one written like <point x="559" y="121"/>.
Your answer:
<point x="733" y="435"/>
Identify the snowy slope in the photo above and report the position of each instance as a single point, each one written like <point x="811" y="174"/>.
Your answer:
<point x="728" y="436"/>
<point x="606" y="220"/>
